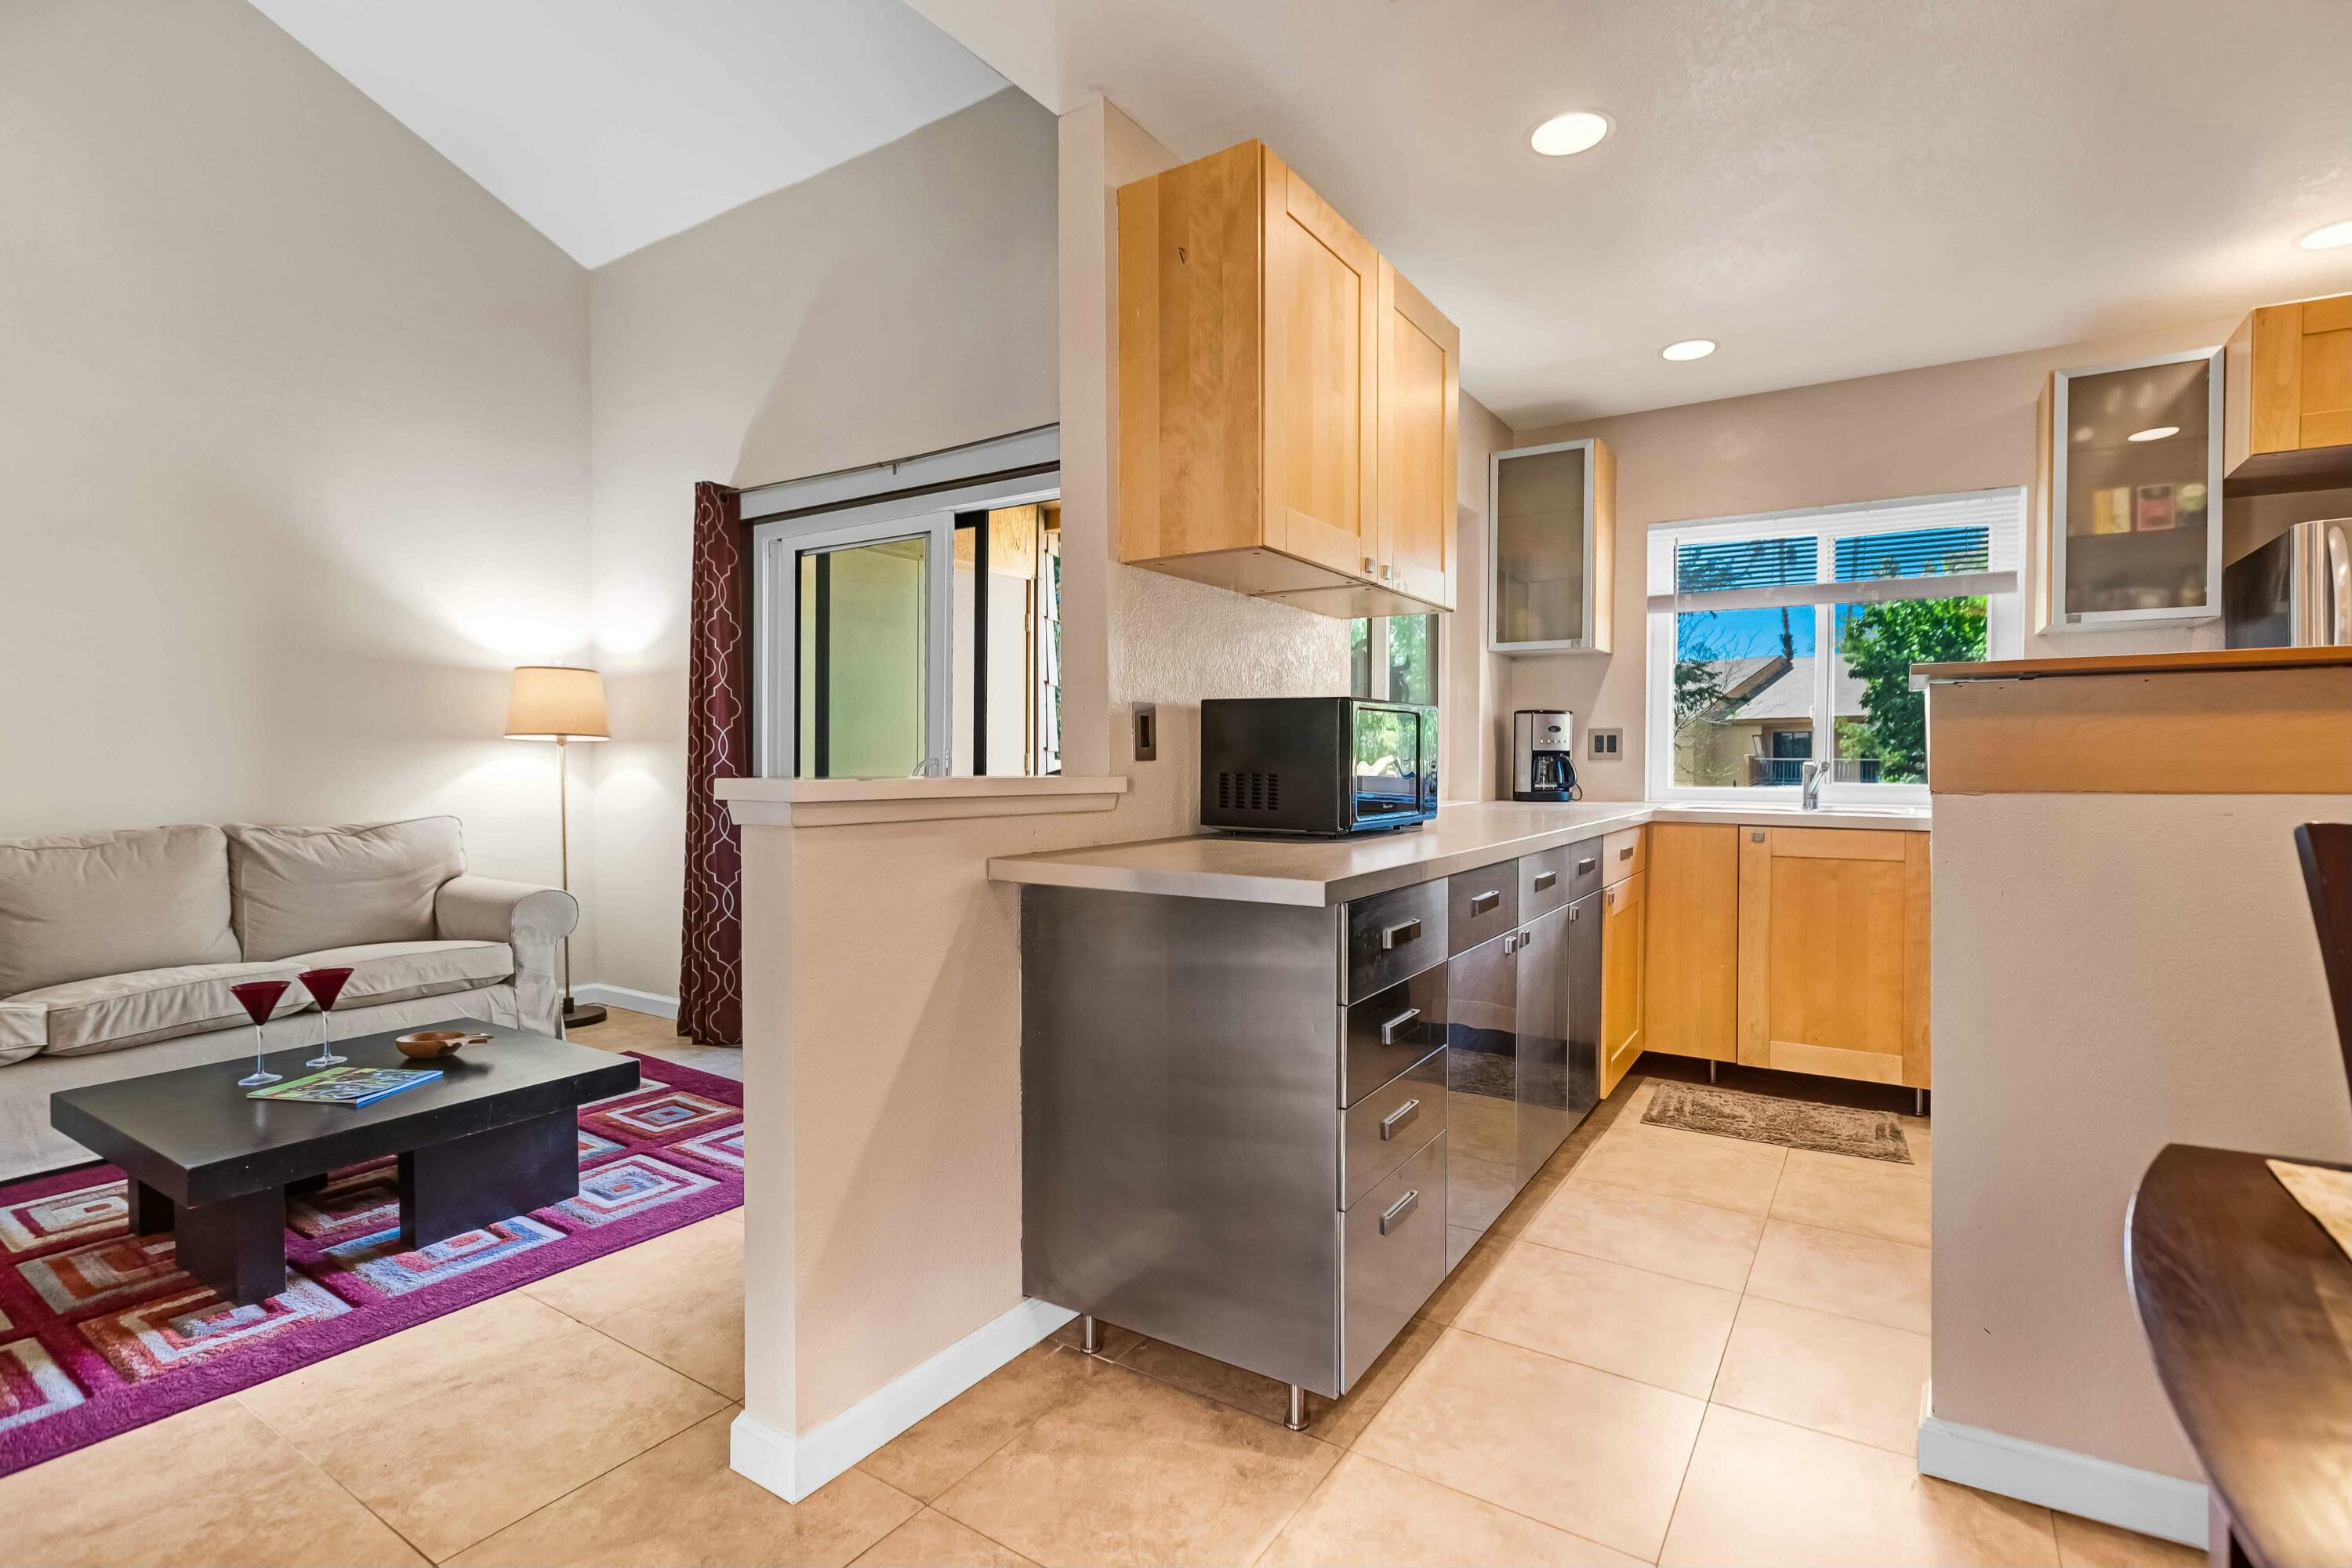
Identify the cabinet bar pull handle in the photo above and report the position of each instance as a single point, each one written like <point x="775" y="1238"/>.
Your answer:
<point x="1481" y="902"/>
<point x="1545" y="879"/>
<point x="1389" y="1029"/>
<point x="1584" y="865"/>
<point x="1398" y="935"/>
<point x="1626" y="853"/>
<point x="1395" y="1212"/>
<point x="1396" y="1120"/>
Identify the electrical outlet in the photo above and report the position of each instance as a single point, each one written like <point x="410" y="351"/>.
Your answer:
<point x="1606" y="745"/>
<point x="1147" y="731"/>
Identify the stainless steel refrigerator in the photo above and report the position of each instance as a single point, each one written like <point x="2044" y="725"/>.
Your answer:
<point x="2294" y="592"/>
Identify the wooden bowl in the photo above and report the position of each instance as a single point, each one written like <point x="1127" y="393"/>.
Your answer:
<point x="426" y="1045"/>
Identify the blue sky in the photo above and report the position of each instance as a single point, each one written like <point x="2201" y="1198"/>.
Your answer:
<point x="1742" y="634"/>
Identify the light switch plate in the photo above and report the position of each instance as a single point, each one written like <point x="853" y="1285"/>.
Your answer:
<point x="1147" y="731"/>
<point x="1606" y="745"/>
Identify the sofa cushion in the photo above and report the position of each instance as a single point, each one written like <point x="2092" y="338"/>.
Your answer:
<point x="395" y="970"/>
<point x="116" y="1011"/>
<point x="100" y="903"/>
<point x="300" y="889"/>
<point x="24" y="1030"/>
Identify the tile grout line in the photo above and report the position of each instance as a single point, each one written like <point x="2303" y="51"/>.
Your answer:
<point x="325" y="1474"/>
<point x="633" y="1350"/>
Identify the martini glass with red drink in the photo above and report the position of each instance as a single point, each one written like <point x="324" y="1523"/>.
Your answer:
<point x="324" y="985"/>
<point x="259" y="997"/>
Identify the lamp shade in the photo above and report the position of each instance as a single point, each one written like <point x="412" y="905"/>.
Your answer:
<point x="555" y="702"/>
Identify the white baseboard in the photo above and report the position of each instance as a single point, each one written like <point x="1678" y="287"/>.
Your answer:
<point x="792" y="1467"/>
<point x="2097" y="1488"/>
<point x="635" y="1001"/>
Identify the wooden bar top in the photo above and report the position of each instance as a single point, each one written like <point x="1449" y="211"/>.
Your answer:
<point x="2208" y="661"/>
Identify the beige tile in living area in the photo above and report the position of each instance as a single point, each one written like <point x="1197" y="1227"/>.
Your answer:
<point x="1370" y="1515"/>
<point x="1648" y="1327"/>
<point x="1728" y="1172"/>
<point x="678" y="1504"/>
<point x="1697" y="1242"/>
<point x="1133" y="1471"/>
<point x="1763" y="1492"/>
<point x="210" y="1485"/>
<point x="2088" y="1543"/>
<point x="1833" y="1375"/>
<point x="950" y="1443"/>
<point x="697" y="1259"/>
<point x="1866" y="1197"/>
<point x="1840" y="1271"/>
<point x="458" y="1427"/>
<point x="1585" y="1451"/>
<point x="932" y="1538"/>
<point x="701" y="1333"/>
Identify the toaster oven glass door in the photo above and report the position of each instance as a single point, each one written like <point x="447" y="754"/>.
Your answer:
<point x="1388" y="766"/>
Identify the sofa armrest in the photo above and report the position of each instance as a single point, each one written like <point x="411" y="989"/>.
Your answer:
<point x="532" y="919"/>
<point x="24" y="1030"/>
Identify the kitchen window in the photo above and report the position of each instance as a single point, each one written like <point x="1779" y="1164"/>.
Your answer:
<point x="1393" y="658"/>
<point x="1786" y="639"/>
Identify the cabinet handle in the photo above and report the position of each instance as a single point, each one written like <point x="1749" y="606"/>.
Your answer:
<point x="1545" y="879"/>
<point x="1388" y="574"/>
<point x="1389" y="1029"/>
<point x="1396" y="1120"/>
<point x="1481" y="902"/>
<point x="1626" y="853"/>
<point x="1584" y="865"/>
<point x="1398" y="935"/>
<point x="1394" y="1214"/>
<point x="1368" y="565"/>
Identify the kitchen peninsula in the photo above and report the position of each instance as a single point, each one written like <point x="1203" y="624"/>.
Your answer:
<point x="1274" y="1091"/>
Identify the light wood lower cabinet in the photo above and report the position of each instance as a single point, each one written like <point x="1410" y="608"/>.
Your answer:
<point x="1690" y="984"/>
<point x="1833" y="952"/>
<point x="1625" y="941"/>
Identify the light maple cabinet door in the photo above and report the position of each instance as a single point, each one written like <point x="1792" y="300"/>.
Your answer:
<point x="1322" y="378"/>
<point x="1833" y="952"/>
<point x="1419" y="436"/>
<point x="1624" y="943"/>
<point x="1690" y="982"/>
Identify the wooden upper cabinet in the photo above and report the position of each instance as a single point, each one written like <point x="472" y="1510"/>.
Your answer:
<point x="1258" y="334"/>
<point x="2289" y="419"/>
<point x="1833" y="952"/>
<point x="1690" y="969"/>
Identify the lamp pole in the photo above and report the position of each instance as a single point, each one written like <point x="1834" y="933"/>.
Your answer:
<point x="575" y="1016"/>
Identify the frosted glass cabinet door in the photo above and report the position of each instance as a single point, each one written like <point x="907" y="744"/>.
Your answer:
<point x="2135" y="492"/>
<point x="1548" y="560"/>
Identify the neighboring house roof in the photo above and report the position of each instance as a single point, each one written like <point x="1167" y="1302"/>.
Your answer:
<point x="1771" y="688"/>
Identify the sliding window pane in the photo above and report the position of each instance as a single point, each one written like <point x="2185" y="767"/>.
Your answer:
<point x="1413" y="659"/>
<point x="1882" y="723"/>
<point x="1742" y="704"/>
<point x="862" y="658"/>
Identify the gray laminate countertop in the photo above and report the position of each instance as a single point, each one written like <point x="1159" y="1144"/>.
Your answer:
<point x="1322" y="871"/>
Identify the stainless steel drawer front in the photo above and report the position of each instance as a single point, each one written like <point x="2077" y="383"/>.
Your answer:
<point x="1390" y="1031"/>
<point x="1394" y="1257"/>
<point x="1394" y="934"/>
<point x="1584" y="869"/>
<point x="1481" y="905"/>
<point x="1543" y="883"/>
<point x="1392" y="1124"/>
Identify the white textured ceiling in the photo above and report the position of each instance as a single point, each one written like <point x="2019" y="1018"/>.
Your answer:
<point x="608" y="124"/>
<point x="1828" y="187"/>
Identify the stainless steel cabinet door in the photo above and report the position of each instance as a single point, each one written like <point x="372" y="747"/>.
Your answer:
<point x="1583" y="1007"/>
<point x="1482" y="1164"/>
<point x="1545" y="999"/>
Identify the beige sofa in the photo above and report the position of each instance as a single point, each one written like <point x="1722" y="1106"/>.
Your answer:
<point x="118" y="950"/>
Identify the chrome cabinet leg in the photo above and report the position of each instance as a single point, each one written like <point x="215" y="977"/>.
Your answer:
<point x="1296" y="1418"/>
<point x="1919" y="1102"/>
<point x="1091" y="1334"/>
<point x="1710" y="1069"/>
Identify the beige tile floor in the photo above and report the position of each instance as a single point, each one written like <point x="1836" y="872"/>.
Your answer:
<point x="1673" y="1349"/>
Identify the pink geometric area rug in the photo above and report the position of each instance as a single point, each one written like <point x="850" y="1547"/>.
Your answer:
<point x="99" y="1332"/>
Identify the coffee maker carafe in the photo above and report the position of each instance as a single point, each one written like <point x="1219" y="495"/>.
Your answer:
<point x="1543" y="753"/>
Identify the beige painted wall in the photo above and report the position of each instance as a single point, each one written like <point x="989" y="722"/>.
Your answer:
<point x="1919" y="432"/>
<point x="898" y="303"/>
<point x="294" y="421"/>
<point x="2112" y="973"/>
<point x="1476" y="722"/>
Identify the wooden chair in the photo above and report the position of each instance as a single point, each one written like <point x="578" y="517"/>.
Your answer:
<point x="2326" y="851"/>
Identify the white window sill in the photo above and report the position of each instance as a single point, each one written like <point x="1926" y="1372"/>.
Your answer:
<point x="844" y="802"/>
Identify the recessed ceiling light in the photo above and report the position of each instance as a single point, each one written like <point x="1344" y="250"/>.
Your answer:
<point x="2328" y="238"/>
<point x="2157" y="434"/>
<point x="1689" y="347"/>
<point x="1571" y="133"/>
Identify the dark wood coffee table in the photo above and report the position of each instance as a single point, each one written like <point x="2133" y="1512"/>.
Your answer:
<point x="495" y="1136"/>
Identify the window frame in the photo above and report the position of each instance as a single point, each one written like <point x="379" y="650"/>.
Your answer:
<point x="2004" y="635"/>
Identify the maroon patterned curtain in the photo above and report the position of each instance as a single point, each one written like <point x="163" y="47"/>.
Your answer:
<point x="718" y="746"/>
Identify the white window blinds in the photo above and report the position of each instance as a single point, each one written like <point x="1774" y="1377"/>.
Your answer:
<point x="1930" y="547"/>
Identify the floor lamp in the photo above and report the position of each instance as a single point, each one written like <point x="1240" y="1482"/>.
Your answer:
<point x="553" y="702"/>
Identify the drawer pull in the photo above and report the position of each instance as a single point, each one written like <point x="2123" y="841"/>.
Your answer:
<point x="1398" y="935"/>
<point x="1393" y="1215"/>
<point x="1396" y="1120"/>
<point x="1481" y="902"/>
<point x="1545" y="879"/>
<point x="1389" y="1029"/>
<point x="1626" y="853"/>
<point x="1584" y="865"/>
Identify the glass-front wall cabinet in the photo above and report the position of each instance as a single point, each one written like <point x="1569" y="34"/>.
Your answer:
<point x="2135" y="492"/>
<point x="1550" y="514"/>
